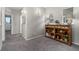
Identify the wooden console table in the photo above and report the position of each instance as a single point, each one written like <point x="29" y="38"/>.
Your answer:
<point x="62" y="33"/>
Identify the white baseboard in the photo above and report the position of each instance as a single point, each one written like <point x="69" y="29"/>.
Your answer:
<point x="75" y="43"/>
<point x="34" y="37"/>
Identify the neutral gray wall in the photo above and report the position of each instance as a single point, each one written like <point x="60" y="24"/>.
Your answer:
<point x="2" y="33"/>
<point x="57" y="12"/>
<point x="75" y="25"/>
<point x="34" y="22"/>
<point x="15" y="20"/>
<point x="0" y="30"/>
<point x="0" y="37"/>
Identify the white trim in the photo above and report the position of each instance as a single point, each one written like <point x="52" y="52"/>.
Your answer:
<point x="11" y="24"/>
<point x="3" y="24"/>
<point x="75" y="43"/>
<point x="34" y="37"/>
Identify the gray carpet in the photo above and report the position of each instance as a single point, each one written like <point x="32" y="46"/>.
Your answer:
<point x="17" y="43"/>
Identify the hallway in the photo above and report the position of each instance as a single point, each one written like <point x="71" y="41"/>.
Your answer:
<point x="17" y="43"/>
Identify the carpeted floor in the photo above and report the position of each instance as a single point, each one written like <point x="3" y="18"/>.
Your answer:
<point x="17" y="43"/>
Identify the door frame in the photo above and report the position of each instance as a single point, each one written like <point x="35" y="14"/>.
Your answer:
<point x="10" y="21"/>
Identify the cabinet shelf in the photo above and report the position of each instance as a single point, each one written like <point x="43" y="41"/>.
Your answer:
<point x="60" y="33"/>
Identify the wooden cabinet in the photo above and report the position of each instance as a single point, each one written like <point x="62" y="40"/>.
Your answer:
<point x="62" y="33"/>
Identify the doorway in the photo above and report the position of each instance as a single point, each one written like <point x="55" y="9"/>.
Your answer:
<point x="8" y="24"/>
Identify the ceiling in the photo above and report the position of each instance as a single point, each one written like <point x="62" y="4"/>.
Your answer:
<point x="19" y="8"/>
<point x="15" y="8"/>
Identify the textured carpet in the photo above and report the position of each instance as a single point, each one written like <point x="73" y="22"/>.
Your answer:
<point x="17" y="43"/>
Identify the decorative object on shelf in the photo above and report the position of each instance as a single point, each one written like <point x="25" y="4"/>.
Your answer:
<point x="53" y="31"/>
<point x="61" y="39"/>
<point x="61" y="31"/>
<point x="64" y="20"/>
<point x="57" y="37"/>
<point x="69" y="18"/>
<point x="53" y="36"/>
<point x="49" y="19"/>
<point x="57" y="21"/>
<point x="47" y="34"/>
<point x="66" y="36"/>
<point x="65" y="40"/>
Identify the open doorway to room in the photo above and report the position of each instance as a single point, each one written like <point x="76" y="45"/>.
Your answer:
<point x="7" y="24"/>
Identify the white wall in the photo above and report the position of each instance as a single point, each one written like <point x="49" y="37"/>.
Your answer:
<point x="75" y="26"/>
<point x="0" y="16"/>
<point x="2" y="26"/>
<point x="15" y="21"/>
<point x="34" y="22"/>
<point x="57" y="12"/>
<point x="0" y="36"/>
<point x="0" y="30"/>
